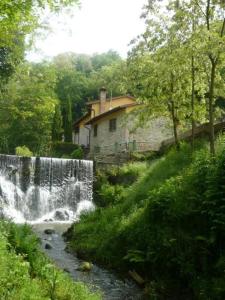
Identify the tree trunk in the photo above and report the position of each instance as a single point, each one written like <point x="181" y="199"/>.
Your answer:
<point x="174" y="119"/>
<point x="192" y="101"/>
<point x="173" y="114"/>
<point x="211" y="108"/>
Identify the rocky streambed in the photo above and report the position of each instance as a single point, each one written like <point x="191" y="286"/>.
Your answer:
<point x="97" y="278"/>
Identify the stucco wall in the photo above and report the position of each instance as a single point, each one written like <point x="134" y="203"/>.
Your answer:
<point x="110" y="105"/>
<point x="81" y="138"/>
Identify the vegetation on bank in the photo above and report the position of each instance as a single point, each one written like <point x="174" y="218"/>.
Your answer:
<point x="167" y="224"/>
<point x="26" y="274"/>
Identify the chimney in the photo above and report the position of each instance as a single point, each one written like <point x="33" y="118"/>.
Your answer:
<point x="103" y="92"/>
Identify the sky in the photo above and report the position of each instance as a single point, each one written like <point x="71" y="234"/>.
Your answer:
<point x="95" y="27"/>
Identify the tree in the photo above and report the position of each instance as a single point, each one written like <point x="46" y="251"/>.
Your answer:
<point x="113" y="77"/>
<point x="189" y="38"/>
<point x="27" y="108"/>
<point x="18" y="19"/>
<point x="215" y="46"/>
<point x="104" y="59"/>
<point x="79" y="78"/>
<point x="158" y="71"/>
<point x="68" y="121"/>
<point x="57" y="124"/>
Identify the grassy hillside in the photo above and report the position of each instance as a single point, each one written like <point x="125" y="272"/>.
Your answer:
<point x="168" y="224"/>
<point x="26" y="274"/>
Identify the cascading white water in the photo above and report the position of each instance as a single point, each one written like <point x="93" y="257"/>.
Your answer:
<point x="44" y="189"/>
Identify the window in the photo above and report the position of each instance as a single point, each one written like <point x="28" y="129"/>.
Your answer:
<point x="77" y="129"/>
<point x="112" y="125"/>
<point x="96" y="130"/>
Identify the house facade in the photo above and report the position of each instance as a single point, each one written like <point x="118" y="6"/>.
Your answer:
<point x="109" y="127"/>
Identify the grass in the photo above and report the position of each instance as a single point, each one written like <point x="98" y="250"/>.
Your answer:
<point x="101" y="240"/>
<point x="167" y="223"/>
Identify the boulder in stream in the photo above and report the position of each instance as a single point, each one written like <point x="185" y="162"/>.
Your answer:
<point x="85" y="266"/>
<point x="48" y="246"/>
<point x="49" y="231"/>
<point x="61" y="215"/>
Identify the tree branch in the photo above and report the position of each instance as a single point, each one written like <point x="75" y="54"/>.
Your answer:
<point x="208" y="14"/>
<point x="222" y="29"/>
<point x="199" y="6"/>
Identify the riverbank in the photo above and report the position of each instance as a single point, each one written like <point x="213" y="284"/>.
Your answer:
<point x="27" y="274"/>
<point x="167" y="225"/>
<point x="97" y="279"/>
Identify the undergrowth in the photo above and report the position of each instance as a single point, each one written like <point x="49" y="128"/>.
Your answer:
<point x="168" y="225"/>
<point x="26" y="274"/>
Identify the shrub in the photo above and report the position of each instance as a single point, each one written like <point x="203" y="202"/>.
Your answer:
<point x="169" y="225"/>
<point x="58" y="149"/>
<point x="23" y="151"/>
<point x="77" y="153"/>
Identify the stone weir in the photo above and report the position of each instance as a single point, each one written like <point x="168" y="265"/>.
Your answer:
<point x="37" y="189"/>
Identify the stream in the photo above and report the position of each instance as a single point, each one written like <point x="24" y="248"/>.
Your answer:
<point x="111" y="286"/>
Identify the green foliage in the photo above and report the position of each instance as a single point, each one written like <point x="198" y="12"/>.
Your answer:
<point x="68" y="122"/>
<point x="26" y="274"/>
<point x="57" y="125"/>
<point x="59" y="149"/>
<point x="27" y="108"/>
<point x="23" y="151"/>
<point x="41" y="101"/>
<point x="109" y="185"/>
<point x="18" y="20"/>
<point x="175" y="70"/>
<point x="77" y="153"/>
<point x="168" y="225"/>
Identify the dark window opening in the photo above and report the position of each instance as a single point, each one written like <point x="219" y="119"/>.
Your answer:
<point x="112" y="125"/>
<point x="77" y="129"/>
<point x="96" y="130"/>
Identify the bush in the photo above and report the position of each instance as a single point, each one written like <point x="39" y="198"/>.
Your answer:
<point x="169" y="225"/>
<point x="23" y="151"/>
<point x="77" y="153"/>
<point x="58" y="149"/>
<point x="110" y="184"/>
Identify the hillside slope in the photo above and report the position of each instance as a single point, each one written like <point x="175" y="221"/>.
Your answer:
<point x="169" y="225"/>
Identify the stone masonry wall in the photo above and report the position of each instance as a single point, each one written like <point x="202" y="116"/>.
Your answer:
<point x="106" y="139"/>
<point x="149" y="137"/>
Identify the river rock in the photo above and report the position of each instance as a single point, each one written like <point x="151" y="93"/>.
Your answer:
<point x="85" y="266"/>
<point x="61" y="215"/>
<point x="48" y="246"/>
<point x="48" y="220"/>
<point x="49" y="231"/>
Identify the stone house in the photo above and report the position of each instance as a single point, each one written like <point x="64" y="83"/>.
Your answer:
<point x="109" y="127"/>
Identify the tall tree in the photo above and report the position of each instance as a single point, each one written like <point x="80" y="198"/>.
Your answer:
<point x="57" y="125"/>
<point x="68" y="121"/>
<point x="27" y="108"/>
<point x="18" y="19"/>
<point x="193" y="30"/>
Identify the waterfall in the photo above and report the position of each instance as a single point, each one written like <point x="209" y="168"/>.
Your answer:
<point x="36" y="189"/>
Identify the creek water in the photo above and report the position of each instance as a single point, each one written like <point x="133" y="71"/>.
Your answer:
<point x="98" y="279"/>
